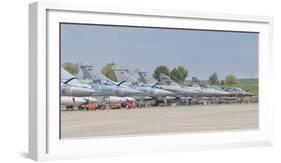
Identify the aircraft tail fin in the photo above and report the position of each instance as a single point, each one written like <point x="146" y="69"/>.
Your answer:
<point x="65" y="75"/>
<point x="165" y="79"/>
<point x="145" y="78"/>
<point x="87" y="71"/>
<point x="90" y="73"/>
<point x="122" y="74"/>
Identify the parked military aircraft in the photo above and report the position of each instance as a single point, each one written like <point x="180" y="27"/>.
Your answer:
<point x="123" y="74"/>
<point x="105" y="86"/>
<point x="99" y="87"/>
<point x="212" y="91"/>
<point x="168" y="84"/>
<point x="108" y="92"/>
<point x="235" y="91"/>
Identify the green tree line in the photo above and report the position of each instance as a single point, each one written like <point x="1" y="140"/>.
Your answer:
<point x="178" y="74"/>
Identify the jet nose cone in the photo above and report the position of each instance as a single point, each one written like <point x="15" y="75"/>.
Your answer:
<point x="77" y="91"/>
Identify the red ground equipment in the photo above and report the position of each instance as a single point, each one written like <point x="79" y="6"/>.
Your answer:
<point x="92" y="106"/>
<point x="128" y="105"/>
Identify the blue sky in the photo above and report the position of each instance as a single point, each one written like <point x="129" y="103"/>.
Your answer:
<point x="201" y="52"/>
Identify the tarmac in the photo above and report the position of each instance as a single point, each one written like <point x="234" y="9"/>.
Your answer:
<point x="158" y="120"/>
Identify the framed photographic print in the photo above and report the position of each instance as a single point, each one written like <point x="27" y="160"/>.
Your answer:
<point x="110" y="81"/>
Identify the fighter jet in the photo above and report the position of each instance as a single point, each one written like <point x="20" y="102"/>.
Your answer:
<point x="123" y="74"/>
<point x="105" y="86"/>
<point x="168" y="84"/>
<point x="235" y="91"/>
<point x="212" y="91"/>
<point x="97" y="88"/>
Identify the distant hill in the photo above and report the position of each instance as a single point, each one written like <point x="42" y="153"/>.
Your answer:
<point x="249" y="81"/>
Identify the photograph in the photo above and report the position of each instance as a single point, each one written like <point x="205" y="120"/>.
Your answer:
<point x="118" y="80"/>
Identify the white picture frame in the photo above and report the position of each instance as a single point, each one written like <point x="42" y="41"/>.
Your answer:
<point x="44" y="142"/>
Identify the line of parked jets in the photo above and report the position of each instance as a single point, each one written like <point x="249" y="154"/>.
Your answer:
<point x="93" y="86"/>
